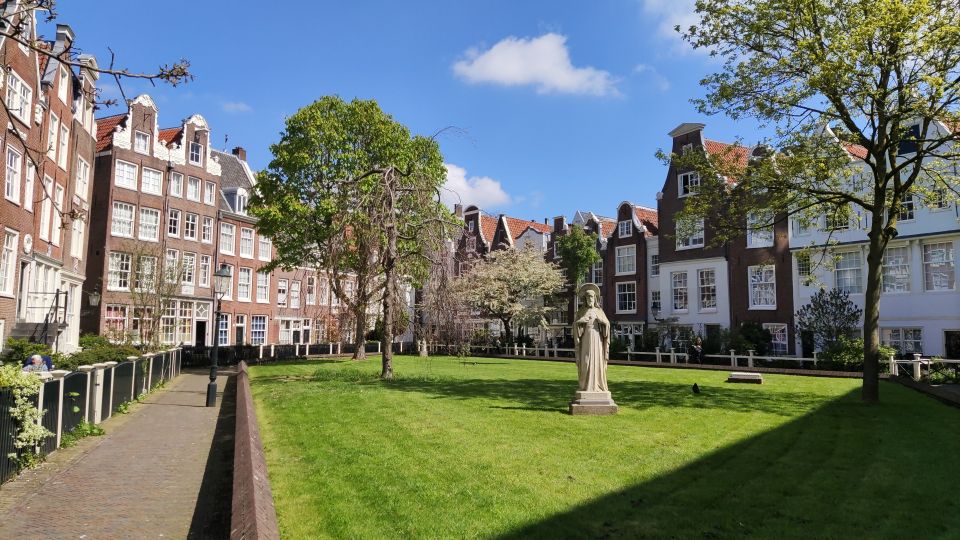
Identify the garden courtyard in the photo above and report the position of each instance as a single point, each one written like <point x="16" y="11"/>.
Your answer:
<point x="485" y="449"/>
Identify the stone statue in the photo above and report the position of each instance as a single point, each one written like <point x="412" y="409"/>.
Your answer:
<point x="591" y="338"/>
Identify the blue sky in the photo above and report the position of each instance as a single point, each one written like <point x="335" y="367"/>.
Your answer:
<point x="558" y="105"/>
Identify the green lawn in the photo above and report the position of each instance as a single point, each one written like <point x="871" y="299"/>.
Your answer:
<point x="449" y="450"/>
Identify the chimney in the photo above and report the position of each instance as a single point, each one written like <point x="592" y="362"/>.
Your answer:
<point x="64" y="37"/>
<point x="458" y="210"/>
<point x="559" y="224"/>
<point x="239" y="152"/>
<point x="546" y="221"/>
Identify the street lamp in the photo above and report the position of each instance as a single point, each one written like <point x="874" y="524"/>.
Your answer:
<point x="221" y="281"/>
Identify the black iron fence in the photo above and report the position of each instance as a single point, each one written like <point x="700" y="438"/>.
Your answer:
<point x="91" y="394"/>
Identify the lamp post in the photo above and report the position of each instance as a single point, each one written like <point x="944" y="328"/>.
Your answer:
<point x="221" y="280"/>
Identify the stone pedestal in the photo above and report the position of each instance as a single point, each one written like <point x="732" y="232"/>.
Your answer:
<point x="593" y="403"/>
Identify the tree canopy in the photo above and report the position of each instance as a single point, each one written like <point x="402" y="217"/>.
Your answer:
<point x="352" y="192"/>
<point x="578" y="253"/>
<point x="862" y="97"/>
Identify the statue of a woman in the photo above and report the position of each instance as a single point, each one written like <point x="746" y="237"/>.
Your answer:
<point x="591" y="337"/>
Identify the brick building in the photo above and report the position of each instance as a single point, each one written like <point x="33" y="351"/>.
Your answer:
<point x="48" y="147"/>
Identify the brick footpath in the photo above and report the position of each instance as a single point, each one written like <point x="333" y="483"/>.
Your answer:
<point x="161" y="471"/>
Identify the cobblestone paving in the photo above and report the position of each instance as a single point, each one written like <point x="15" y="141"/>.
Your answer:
<point x="140" y="480"/>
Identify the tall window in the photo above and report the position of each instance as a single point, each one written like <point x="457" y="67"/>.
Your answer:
<point x="311" y="291"/>
<point x="115" y="319"/>
<point x="244" y="283"/>
<point x="263" y="287"/>
<point x="8" y="261"/>
<point x="173" y="222"/>
<point x="223" y="330"/>
<point x="246" y="243"/>
<point x="118" y="272"/>
<point x="839" y="220"/>
<point x="203" y="279"/>
<point x="678" y="282"/>
<point x="655" y="302"/>
<point x="282" y="292"/>
<point x="693" y="239"/>
<point x="763" y="286"/>
<point x="53" y="128"/>
<point x="190" y="226"/>
<point x="626" y="260"/>
<point x="28" y="189"/>
<point x="193" y="188"/>
<point x="11" y="181"/>
<point x="627" y="297"/>
<point x="265" y="249"/>
<point x="209" y="194"/>
<point x="126" y="175"/>
<point x="45" y="208"/>
<point x="624" y="228"/>
<point x="206" y="235"/>
<point x="189" y="268"/>
<point x="655" y="265"/>
<point x="258" y="329"/>
<point x="759" y="230"/>
<point x="228" y="235"/>
<point x="804" y="265"/>
<point x="83" y="178"/>
<point x="896" y="270"/>
<point x="939" y="273"/>
<point x="19" y="97"/>
<point x="295" y="294"/>
<point x="146" y="273"/>
<point x="76" y="243"/>
<point x="708" y="288"/>
<point x="689" y="183"/>
<point x="64" y="147"/>
<point x="849" y="272"/>
<point x="152" y="181"/>
<point x="778" y="335"/>
<point x="907" y="208"/>
<point x="57" y="214"/>
<point x="170" y="271"/>
<point x="229" y="293"/>
<point x="141" y="142"/>
<point x="196" y="153"/>
<point x="175" y="185"/>
<point x="149" y="225"/>
<point x="597" y="273"/>
<point x="122" y="222"/>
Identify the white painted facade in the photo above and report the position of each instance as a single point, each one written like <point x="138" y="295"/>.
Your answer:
<point x="920" y="303"/>
<point x="695" y="315"/>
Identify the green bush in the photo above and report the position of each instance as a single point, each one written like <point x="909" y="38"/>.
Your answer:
<point x="18" y="350"/>
<point x="97" y="355"/>
<point x="93" y="341"/>
<point x="618" y="346"/>
<point x="750" y="336"/>
<point x="846" y="354"/>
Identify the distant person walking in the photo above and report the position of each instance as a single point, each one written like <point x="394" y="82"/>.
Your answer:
<point x="696" y="351"/>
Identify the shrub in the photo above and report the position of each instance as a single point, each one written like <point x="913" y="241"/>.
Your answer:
<point x="93" y="341"/>
<point x="25" y="414"/>
<point x="97" y="355"/>
<point x="846" y="354"/>
<point x="618" y="346"/>
<point x="750" y="336"/>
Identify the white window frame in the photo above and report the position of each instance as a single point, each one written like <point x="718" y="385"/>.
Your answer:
<point x="145" y="226"/>
<point x="263" y="287"/>
<point x="680" y="292"/>
<point x="707" y="290"/>
<point x="53" y="130"/>
<point x="897" y="337"/>
<point x="19" y="97"/>
<point x="258" y="329"/>
<point x="264" y="242"/>
<point x="282" y="285"/>
<point x="13" y="174"/>
<point x="188" y="268"/>
<point x="46" y="207"/>
<point x="624" y="291"/>
<point x="896" y="270"/>
<point x="849" y="268"/>
<point x="780" y="347"/>
<point x="195" y="146"/>
<point x="761" y="283"/>
<point x="206" y="231"/>
<point x="64" y="152"/>
<point x="8" y="261"/>
<point x="625" y="228"/>
<point x="125" y="180"/>
<point x="122" y="219"/>
<point x="247" y="253"/>
<point x="83" y="178"/>
<point x="759" y="235"/>
<point x="654" y="265"/>
<point x="688" y="183"/>
<point x="203" y="272"/>
<point x="118" y="271"/>
<point x="194" y="195"/>
<point x="228" y="245"/>
<point x="174" y="220"/>
<point x="244" y="286"/>
<point x="57" y="229"/>
<point x="29" y="189"/>
<point x="175" y="184"/>
<point x="154" y="187"/>
<point x="187" y="222"/>
<point x="695" y="241"/>
<point x="626" y="260"/>
<point x="935" y="278"/>
<point x="138" y="137"/>
<point x="209" y="193"/>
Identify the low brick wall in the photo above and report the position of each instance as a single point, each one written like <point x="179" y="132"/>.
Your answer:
<point x="253" y="513"/>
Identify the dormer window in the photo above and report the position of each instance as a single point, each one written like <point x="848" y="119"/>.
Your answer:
<point x="686" y="148"/>
<point x="141" y="143"/>
<point x="240" y="201"/>
<point x="908" y="144"/>
<point x="689" y="183"/>
<point x="196" y="153"/>
<point x="624" y="229"/>
<point x="471" y="225"/>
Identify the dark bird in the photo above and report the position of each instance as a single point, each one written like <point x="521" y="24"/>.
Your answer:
<point x="696" y="388"/>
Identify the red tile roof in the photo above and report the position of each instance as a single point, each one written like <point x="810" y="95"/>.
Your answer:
<point x="169" y="134"/>
<point x="518" y="226"/>
<point x="741" y="154"/>
<point x="488" y="226"/>
<point x="105" y="127"/>
<point x="856" y="150"/>
<point x="648" y="217"/>
<point x="607" y="226"/>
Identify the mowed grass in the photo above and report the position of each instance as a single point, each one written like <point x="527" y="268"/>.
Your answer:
<point x="452" y="450"/>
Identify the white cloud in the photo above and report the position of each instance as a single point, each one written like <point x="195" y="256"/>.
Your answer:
<point x="543" y="62"/>
<point x="668" y="15"/>
<point x="236" y="107"/>
<point x="653" y="76"/>
<point x="482" y="191"/>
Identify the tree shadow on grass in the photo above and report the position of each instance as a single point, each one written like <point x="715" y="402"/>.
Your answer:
<point x="846" y="470"/>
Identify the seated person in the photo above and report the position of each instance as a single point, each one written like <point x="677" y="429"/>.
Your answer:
<point x="47" y="360"/>
<point x="36" y="364"/>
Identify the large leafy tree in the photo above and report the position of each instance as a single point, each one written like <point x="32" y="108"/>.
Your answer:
<point x="829" y="316"/>
<point x="351" y="191"/>
<point x="842" y="84"/>
<point x="578" y="253"/>
<point x="510" y="285"/>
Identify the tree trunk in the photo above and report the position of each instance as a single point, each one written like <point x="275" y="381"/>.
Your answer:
<point x="360" y="338"/>
<point x="389" y="275"/>
<point x="871" y="313"/>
